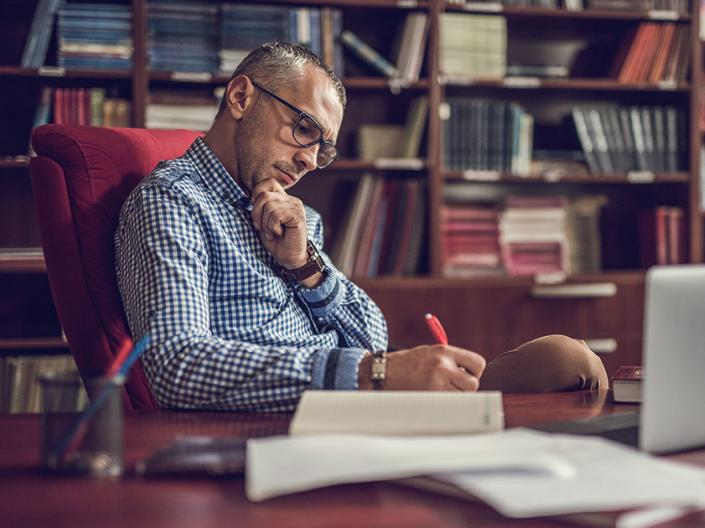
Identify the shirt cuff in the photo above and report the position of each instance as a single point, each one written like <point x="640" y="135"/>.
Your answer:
<point x="337" y="368"/>
<point x="324" y="298"/>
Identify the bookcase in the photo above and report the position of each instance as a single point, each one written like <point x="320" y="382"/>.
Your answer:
<point x="491" y="313"/>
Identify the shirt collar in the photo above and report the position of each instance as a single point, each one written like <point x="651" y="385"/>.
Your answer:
<point x="214" y="174"/>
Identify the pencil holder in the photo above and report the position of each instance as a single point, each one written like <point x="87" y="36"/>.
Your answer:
<point x="79" y="436"/>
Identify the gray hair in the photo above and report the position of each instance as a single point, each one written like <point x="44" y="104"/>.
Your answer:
<point x="275" y="64"/>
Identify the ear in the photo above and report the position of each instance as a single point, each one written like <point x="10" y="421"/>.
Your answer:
<point x="240" y="95"/>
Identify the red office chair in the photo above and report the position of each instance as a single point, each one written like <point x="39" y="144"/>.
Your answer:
<point x="80" y="179"/>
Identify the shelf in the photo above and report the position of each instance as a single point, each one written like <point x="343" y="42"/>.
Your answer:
<point x="53" y="71"/>
<point x="588" y="14"/>
<point x="22" y="264"/>
<point x="533" y="83"/>
<point x="352" y="83"/>
<point x="632" y="178"/>
<point x="414" y="164"/>
<point x="407" y="283"/>
<point x="383" y="4"/>
<point x="45" y="343"/>
<point x="14" y="162"/>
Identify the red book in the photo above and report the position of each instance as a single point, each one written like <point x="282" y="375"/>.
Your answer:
<point x="626" y="384"/>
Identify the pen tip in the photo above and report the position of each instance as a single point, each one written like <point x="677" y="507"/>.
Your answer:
<point x="428" y="316"/>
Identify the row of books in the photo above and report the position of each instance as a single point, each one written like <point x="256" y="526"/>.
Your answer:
<point x="383" y="229"/>
<point x="95" y="36"/>
<point x="472" y="45"/>
<point x="654" y="53"/>
<point x="81" y="106"/>
<point x="409" y="50"/>
<point x="206" y="37"/>
<point x="19" y="385"/>
<point x="680" y="6"/>
<point x="619" y="139"/>
<point x="385" y="141"/>
<point x="525" y="235"/>
<point x="39" y="37"/>
<point x="193" y="110"/>
<point x="487" y="135"/>
<point x="662" y="236"/>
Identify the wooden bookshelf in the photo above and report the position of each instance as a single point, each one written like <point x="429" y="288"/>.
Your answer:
<point x="373" y="99"/>
<point x="613" y="179"/>
<point x="53" y="71"/>
<point x="37" y="343"/>
<point x="14" y="163"/>
<point x="536" y="83"/>
<point x="21" y="264"/>
<point x="586" y="14"/>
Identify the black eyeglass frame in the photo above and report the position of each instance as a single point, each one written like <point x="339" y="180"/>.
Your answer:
<point x="324" y="144"/>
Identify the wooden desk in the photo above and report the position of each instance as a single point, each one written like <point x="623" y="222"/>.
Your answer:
<point x="29" y="498"/>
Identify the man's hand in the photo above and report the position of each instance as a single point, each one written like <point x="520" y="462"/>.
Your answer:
<point x="280" y="220"/>
<point x="428" y="367"/>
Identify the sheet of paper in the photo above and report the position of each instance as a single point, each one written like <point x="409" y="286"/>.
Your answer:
<point x="288" y="464"/>
<point x="608" y="476"/>
<point x="398" y="412"/>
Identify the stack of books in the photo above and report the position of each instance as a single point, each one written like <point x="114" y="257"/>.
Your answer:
<point x="622" y="139"/>
<point x="384" y="141"/>
<point x="183" y="36"/>
<point x="533" y="235"/>
<point x="95" y="36"/>
<point x="384" y="229"/>
<point x="472" y="46"/>
<point x="483" y="135"/>
<point x="190" y="110"/>
<point x="470" y="241"/>
<point x="654" y="54"/>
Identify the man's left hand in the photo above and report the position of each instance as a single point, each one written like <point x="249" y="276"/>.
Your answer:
<point x="280" y="220"/>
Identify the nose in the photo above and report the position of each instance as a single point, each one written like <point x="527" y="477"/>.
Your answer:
<point x="306" y="157"/>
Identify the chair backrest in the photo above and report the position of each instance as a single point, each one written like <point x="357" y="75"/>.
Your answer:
<point x="80" y="179"/>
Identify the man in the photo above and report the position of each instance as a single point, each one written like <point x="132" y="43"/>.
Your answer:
<point x="220" y="266"/>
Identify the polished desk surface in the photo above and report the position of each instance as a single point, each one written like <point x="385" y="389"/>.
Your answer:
<point x="29" y="497"/>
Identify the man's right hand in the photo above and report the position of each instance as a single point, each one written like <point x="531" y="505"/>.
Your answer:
<point x="428" y="367"/>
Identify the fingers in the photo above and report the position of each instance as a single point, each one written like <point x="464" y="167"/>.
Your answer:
<point x="473" y="363"/>
<point x="463" y="381"/>
<point x="275" y="216"/>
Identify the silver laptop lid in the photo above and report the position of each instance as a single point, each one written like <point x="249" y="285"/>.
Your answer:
<point x="673" y="408"/>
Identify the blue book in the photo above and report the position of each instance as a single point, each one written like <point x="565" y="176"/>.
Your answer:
<point x="37" y="44"/>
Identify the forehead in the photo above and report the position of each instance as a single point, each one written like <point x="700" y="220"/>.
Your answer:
<point x="315" y="94"/>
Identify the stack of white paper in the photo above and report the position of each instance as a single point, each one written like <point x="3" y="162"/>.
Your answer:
<point x="608" y="476"/>
<point x="520" y="473"/>
<point x="287" y="464"/>
<point x="398" y="412"/>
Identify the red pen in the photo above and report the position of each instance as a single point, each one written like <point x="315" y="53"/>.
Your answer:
<point x="436" y="328"/>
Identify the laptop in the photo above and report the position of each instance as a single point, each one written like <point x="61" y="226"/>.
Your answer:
<point x="672" y="414"/>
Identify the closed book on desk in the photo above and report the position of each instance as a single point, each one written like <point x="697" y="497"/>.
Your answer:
<point x="626" y="384"/>
<point x="398" y="412"/>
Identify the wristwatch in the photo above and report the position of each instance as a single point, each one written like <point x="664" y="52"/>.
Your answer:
<point x="313" y="265"/>
<point x="378" y="371"/>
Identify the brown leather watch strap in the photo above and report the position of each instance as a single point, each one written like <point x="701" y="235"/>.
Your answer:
<point x="314" y="265"/>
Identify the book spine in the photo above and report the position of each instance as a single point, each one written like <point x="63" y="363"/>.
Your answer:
<point x="368" y="54"/>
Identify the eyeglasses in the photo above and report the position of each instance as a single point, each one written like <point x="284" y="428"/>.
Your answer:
<point x="307" y="132"/>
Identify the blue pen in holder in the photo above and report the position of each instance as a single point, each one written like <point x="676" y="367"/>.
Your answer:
<point x="77" y="437"/>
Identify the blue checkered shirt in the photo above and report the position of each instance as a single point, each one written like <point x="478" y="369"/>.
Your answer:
<point x="226" y="331"/>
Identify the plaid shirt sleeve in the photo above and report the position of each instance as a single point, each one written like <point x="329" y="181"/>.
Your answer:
<point x="339" y="303"/>
<point x="163" y="274"/>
